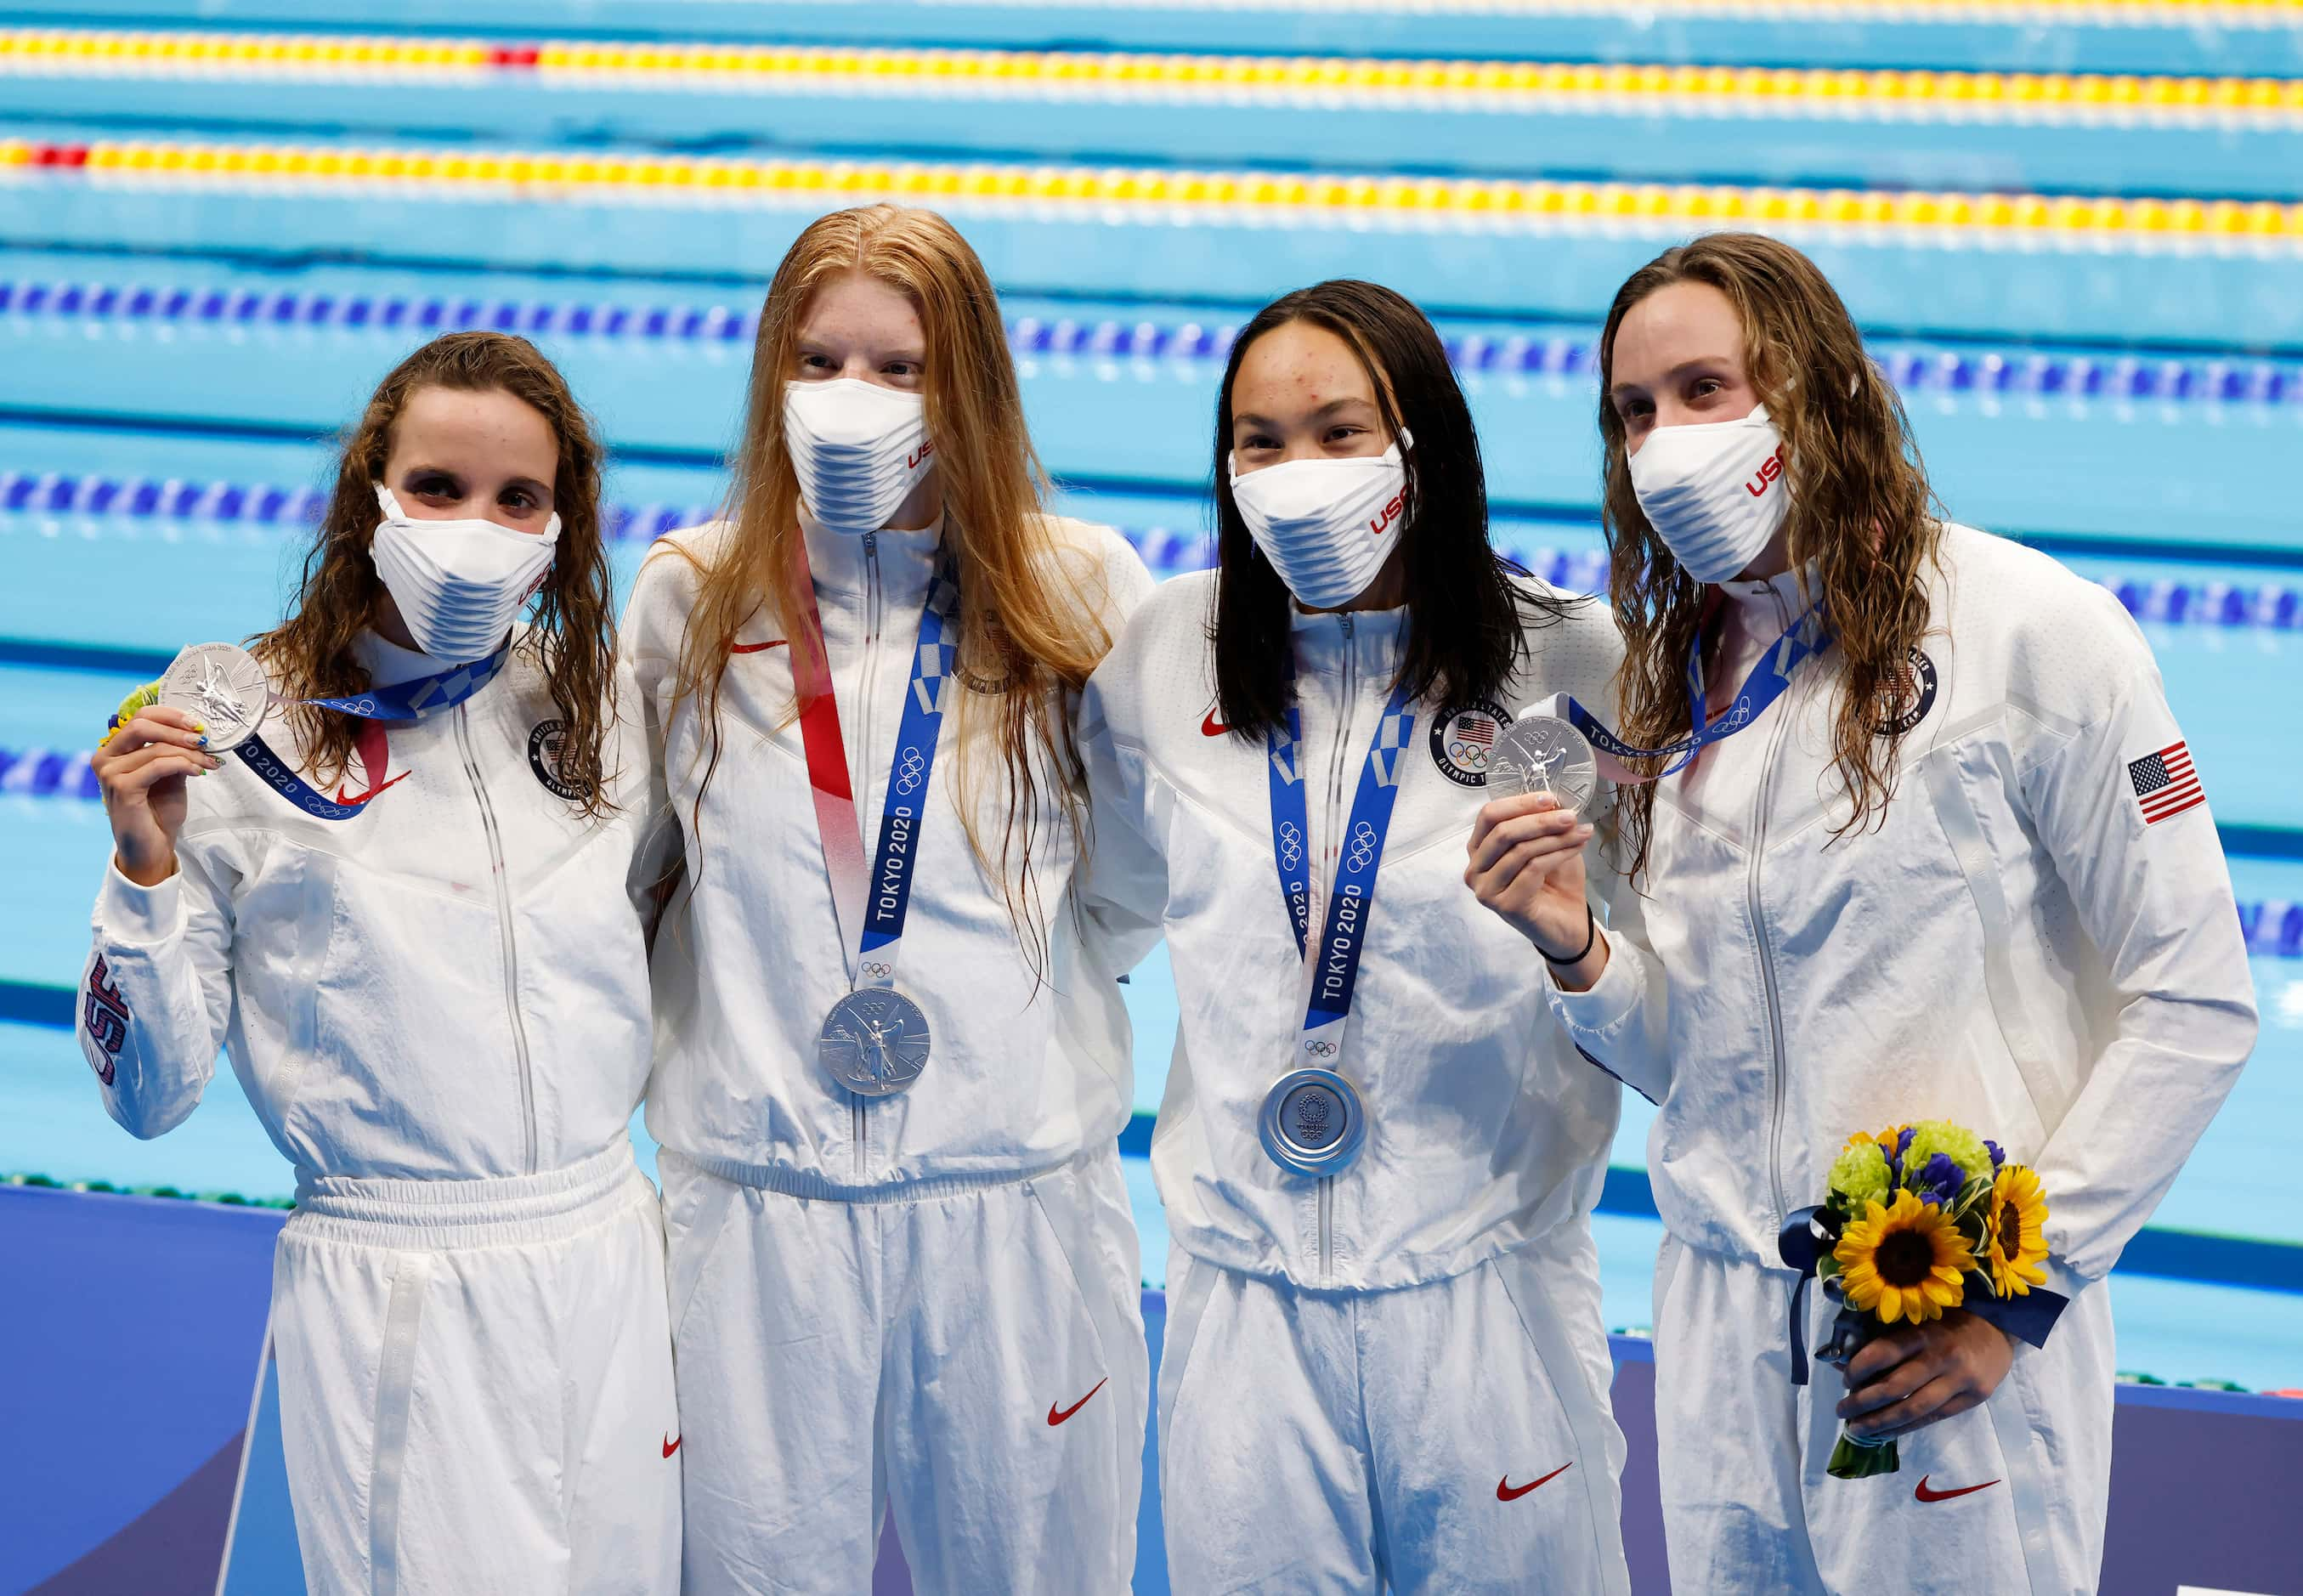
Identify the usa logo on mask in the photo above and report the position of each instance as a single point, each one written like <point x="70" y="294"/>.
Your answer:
<point x="1463" y="740"/>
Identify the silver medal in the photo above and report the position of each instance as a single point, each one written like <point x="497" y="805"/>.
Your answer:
<point x="1312" y="1122"/>
<point x="1543" y="754"/>
<point x="874" y="1042"/>
<point x="222" y="685"/>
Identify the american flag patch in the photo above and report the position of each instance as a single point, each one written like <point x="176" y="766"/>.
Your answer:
<point x="1476" y="729"/>
<point x="2166" y="784"/>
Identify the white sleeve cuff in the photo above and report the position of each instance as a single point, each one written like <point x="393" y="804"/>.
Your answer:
<point x="1601" y="1009"/>
<point x="140" y="916"/>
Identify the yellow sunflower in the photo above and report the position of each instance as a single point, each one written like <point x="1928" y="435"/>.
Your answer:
<point x="1906" y="1262"/>
<point x="2012" y="1245"/>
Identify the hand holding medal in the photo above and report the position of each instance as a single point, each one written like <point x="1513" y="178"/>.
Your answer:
<point x="150" y="747"/>
<point x="1527" y="845"/>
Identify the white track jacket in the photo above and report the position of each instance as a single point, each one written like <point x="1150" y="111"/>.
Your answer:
<point x="450" y="985"/>
<point x="1025" y="1073"/>
<point x="1485" y="1129"/>
<point x="2039" y="942"/>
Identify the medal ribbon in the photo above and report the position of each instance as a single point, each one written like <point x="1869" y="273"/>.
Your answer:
<point x="1765" y="683"/>
<point x="417" y="700"/>
<point x="870" y="904"/>
<point x="1333" y="966"/>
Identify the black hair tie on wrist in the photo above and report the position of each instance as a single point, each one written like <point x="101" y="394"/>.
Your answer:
<point x="1590" y="936"/>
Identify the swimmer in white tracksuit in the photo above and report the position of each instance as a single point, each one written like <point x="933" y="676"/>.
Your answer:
<point x="418" y="924"/>
<point x="1386" y="1371"/>
<point x="904" y="1270"/>
<point x="2020" y="922"/>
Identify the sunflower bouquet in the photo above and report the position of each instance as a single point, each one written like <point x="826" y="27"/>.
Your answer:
<point x="1919" y="1219"/>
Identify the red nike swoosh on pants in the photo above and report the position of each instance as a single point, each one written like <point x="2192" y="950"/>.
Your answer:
<point x="1055" y="1418"/>
<point x="1925" y="1495"/>
<point x="671" y="1445"/>
<point x="1506" y="1492"/>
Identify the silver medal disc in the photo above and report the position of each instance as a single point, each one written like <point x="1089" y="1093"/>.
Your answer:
<point x="1312" y="1122"/>
<point x="874" y="1042"/>
<point x="1543" y="754"/>
<point x="221" y="685"/>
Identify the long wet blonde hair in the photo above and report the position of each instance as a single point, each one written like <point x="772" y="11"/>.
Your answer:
<point x="1861" y="509"/>
<point x="1025" y="640"/>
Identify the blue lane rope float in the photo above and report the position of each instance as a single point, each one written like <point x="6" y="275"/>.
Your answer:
<point x="2271" y="606"/>
<point x="1914" y="367"/>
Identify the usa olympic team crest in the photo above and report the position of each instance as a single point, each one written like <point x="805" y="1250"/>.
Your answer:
<point x="1906" y="699"/>
<point x="1464" y="742"/>
<point x="545" y="745"/>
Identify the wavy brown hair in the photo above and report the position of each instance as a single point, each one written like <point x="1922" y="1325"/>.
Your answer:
<point x="572" y="636"/>
<point x="1860" y="510"/>
<point x="1025" y="637"/>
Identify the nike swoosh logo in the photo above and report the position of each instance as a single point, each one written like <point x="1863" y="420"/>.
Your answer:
<point x="756" y="648"/>
<point x="1925" y="1495"/>
<point x="671" y="1445"/>
<point x="1506" y="1492"/>
<point x="344" y="796"/>
<point x="1211" y="727"/>
<point x="1056" y="1418"/>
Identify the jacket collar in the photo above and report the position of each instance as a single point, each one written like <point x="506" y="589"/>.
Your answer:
<point x="1768" y="606"/>
<point x="1320" y="639"/>
<point x="838" y="562"/>
<point x="388" y="665"/>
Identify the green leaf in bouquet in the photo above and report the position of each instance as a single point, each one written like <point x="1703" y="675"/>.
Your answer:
<point x="1853" y="1460"/>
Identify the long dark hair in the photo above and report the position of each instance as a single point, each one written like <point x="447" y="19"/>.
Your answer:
<point x="1861" y="510"/>
<point x="1466" y="613"/>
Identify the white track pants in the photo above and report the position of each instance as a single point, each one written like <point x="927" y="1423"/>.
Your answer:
<point x="967" y="1351"/>
<point x="476" y="1389"/>
<point x="2017" y="1487"/>
<point x="1451" y="1437"/>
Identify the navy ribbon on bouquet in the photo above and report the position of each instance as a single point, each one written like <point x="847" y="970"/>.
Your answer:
<point x="1809" y="1233"/>
<point x="1807" y="1236"/>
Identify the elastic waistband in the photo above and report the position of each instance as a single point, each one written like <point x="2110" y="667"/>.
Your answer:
<point x="469" y="1213"/>
<point x="801" y="1183"/>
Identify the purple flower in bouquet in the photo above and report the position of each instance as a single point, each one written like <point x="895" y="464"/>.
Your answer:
<point x="1940" y="1179"/>
<point x="1902" y="1145"/>
<point x="1998" y="1155"/>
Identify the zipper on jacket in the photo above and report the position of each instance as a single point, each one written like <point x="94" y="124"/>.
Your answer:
<point x="859" y="1123"/>
<point x="503" y="931"/>
<point x="1338" y="765"/>
<point x="1776" y="1083"/>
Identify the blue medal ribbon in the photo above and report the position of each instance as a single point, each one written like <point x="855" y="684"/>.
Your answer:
<point x="1765" y="683"/>
<point x="1335" y="961"/>
<point x="417" y="700"/>
<point x="889" y="893"/>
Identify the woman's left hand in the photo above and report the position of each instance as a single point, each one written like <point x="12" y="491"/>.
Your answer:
<point x="1916" y="1375"/>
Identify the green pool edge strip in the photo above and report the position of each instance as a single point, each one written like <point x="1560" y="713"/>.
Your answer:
<point x="35" y="1182"/>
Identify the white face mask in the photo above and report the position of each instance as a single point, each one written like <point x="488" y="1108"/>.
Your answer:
<point x="1326" y="525"/>
<point x="858" y="449"/>
<point x="1716" y="492"/>
<point x="459" y="585"/>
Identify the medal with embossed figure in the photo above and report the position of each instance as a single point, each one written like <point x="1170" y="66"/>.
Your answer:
<point x="222" y="685"/>
<point x="1539" y="753"/>
<point x="874" y="1042"/>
